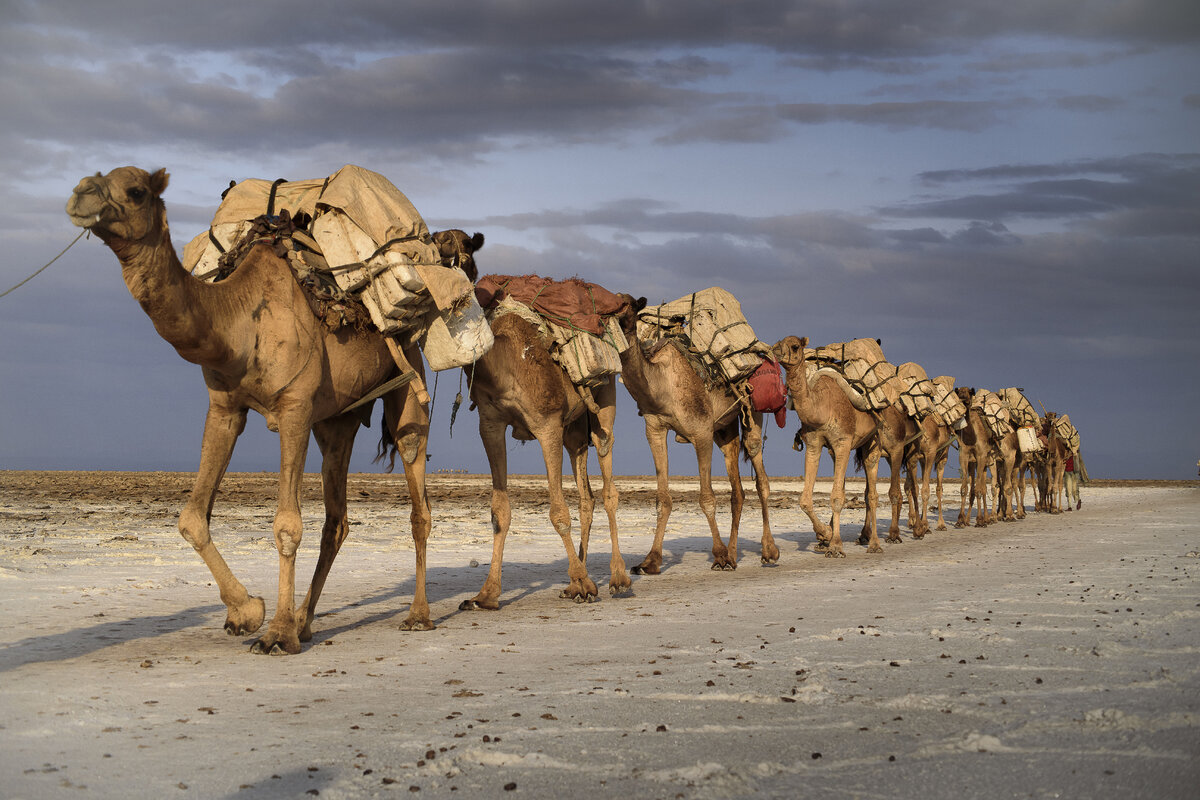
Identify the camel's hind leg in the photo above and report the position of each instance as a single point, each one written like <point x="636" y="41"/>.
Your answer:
<point x="752" y="443"/>
<point x="222" y="427"/>
<point x="725" y="555"/>
<point x="581" y="588"/>
<point x="410" y="420"/>
<point x="335" y="438"/>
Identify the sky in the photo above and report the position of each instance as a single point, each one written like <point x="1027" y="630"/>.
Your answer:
<point x="1008" y="193"/>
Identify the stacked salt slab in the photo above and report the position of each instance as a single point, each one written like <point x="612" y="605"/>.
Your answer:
<point x="863" y="364"/>
<point x="1025" y="418"/>
<point x="995" y="412"/>
<point x="370" y="240"/>
<point x="713" y="325"/>
<point x="947" y="405"/>
<point x="1067" y="432"/>
<point x="917" y="391"/>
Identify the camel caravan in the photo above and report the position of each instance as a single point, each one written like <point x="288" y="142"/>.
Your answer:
<point x="307" y="301"/>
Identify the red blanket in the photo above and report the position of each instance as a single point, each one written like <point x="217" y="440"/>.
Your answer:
<point x="572" y="303"/>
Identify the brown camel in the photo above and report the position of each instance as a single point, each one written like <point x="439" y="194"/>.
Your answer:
<point x="1057" y="453"/>
<point x="458" y="250"/>
<point x="672" y="395"/>
<point x="518" y="384"/>
<point x="261" y="347"/>
<point x="830" y="419"/>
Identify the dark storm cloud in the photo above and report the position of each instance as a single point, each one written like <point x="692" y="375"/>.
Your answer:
<point x="856" y="27"/>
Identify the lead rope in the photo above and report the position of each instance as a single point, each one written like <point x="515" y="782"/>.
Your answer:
<point x="43" y="269"/>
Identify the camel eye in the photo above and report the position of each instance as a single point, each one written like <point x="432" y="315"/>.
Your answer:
<point x="137" y="194"/>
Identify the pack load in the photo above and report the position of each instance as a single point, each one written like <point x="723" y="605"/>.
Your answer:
<point x="995" y="412"/>
<point x="364" y="241"/>
<point x="861" y="361"/>
<point x="713" y="326"/>
<point x="917" y="392"/>
<point x="947" y="404"/>
<point x="1067" y="432"/>
<point x="579" y="317"/>
<point x="1024" y="419"/>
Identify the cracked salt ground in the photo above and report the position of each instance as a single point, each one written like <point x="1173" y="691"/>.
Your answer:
<point x="1050" y="657"/>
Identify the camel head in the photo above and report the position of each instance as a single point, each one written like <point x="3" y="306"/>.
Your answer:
<point x="627" y="317"/>
<point x="965" y="394"/>
<point x="458" y="250"/>
<point x="789" y="351"/>
<point x="124" y="204"/>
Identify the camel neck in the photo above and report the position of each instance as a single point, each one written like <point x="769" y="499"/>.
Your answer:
<point x="634" y="367"/>
<point x="173" y="299"/>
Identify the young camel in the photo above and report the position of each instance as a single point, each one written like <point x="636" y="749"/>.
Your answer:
<point x="672" y="395"/>
<point x="831" y="419"/>
<point x="518" y="384"/>
<point x="261" y="347"/>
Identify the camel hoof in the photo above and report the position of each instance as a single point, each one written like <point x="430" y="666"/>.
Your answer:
<point x="419" y="624"/>
<point x="475" y="604"/>
<point x="645" y="569"/>
<point x="892" y="540"/>
<point x="875" y="549"/>
<point x="723" y="566"/>
<point x="770" y="562"/>
<point x="260" y="648"/>
<point x="247" y="618"/>
<point x="834" y="554"/>
<point x="940" y="528"/>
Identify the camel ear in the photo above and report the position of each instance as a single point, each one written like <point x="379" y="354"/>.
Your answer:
<point x="158" y="182"/>
<point x="476" y="241"/>
<point x="803" y="342"/>
<point x="639" y="304"/>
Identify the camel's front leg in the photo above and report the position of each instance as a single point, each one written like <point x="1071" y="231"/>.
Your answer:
<point x="894" y="497"/>
<point x="965" y="488"/>
<point x="723" y="557"/>
<point x="941" y="474"/>
<point x="618" y="582"/>
<point x="283" y="635"/>
<point x="335" y="437"/>
<point x="837" y="498"/>
<point x="491" y="432"/>
<point x="656" y="436"/>
<point x="730" y="449"/>
<point x="222" y="426"/>
<point x="812" y="460"/>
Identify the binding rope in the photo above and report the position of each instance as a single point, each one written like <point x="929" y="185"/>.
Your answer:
<point x="43" y="269"/>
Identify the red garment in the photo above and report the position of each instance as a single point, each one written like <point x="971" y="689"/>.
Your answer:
<point x="767" y="392"/>
<point x="571" y="303"/>
<point x="1070" y="463"/>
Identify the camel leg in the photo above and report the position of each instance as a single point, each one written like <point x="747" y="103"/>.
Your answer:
<point x="282" y="634"/>
<point x="941" y="475"/>
<point x="812" y="459"/>
<point x="581" y="588"/>
<point x="411" y="432"/>
<point x="491" y="432"/>
<point x="894" y="496"/>
<point x="730" y="449"/>
<point x="723" y="557"/>
<point x="871" y="468"/>
<point x="656" y="436"/>
<point x="753" y="444"/>
<point x="222" y="427"/>
<point x="837" y="498"/>
<point x="335" y="438"/>
<point x="606" y="397"/>
<point x="979" y="488"/>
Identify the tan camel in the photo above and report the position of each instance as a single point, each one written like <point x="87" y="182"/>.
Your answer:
<point x="518" y="384"/>
<point x="830" y="419"/>
<point x="261" y="347"/>
<point x="672" y="396"/>
<point x="978" y="449"/>
<point x="1057" y="453"/>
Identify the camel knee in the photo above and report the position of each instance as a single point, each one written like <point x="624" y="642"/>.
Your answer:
<point x="193" y="527"/>
<point x="287" y="533"/>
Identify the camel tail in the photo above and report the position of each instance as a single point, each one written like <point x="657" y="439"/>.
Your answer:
<point x="387" y="448"/>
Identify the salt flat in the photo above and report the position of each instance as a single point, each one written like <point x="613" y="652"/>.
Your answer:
<point x="1052" y="657"/>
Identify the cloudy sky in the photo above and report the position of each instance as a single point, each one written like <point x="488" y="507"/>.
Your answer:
<point x="1008" y="193"/>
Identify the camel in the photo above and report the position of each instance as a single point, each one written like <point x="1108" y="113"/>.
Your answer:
<point x="978" y="449"/>
<point x="518" y="384"/>
<point x="929" y="452"/>
<point x="1056" y="462"/>
<point x="672" y="395"/>
<point x="831" y="419"/>
<point x="458" y="250"/>
<point x="261" y="348"/>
